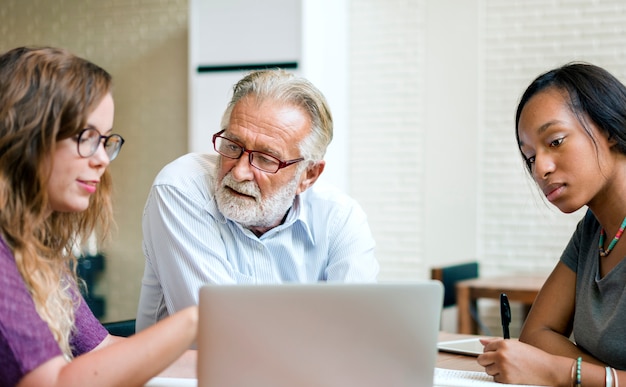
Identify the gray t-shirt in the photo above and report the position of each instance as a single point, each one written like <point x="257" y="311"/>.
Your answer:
<point x="600" y="317"/>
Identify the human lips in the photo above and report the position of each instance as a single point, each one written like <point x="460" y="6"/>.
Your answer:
<point x="246" y="189"/>
<point x="553" y="191"/>
<point x="240" y="193"/>
<point x="88" y="185"/>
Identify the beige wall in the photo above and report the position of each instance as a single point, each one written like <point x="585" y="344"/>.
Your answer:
<point x="144" y="46"/>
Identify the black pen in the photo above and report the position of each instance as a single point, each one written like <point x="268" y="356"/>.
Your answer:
<point x="505" y="315"/>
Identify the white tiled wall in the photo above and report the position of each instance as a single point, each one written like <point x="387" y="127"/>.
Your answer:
<point x="519" y="231"/>
<point x="386" y="130"/>
<point x="515" y="229"/>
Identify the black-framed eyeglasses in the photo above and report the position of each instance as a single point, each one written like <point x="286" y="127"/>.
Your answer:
<point x="89" y="140"/>
<point x="260" y="160"/>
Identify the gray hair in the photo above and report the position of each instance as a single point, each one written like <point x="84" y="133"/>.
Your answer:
<point x="280" y="85"/>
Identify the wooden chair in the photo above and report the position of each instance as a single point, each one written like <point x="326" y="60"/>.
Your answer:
<point x="450" y="275"/>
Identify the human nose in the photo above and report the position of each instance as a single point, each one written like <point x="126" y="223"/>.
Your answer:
<point x="242" y="170"/>
<point x="100" y="157"/>
<point x="543" y="166"/>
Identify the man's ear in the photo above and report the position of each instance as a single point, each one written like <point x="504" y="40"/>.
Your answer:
<point x="310" y="175"/>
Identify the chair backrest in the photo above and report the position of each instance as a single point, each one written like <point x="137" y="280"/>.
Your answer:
<point x="123" y="328"/>
<point x="450" y="275"/>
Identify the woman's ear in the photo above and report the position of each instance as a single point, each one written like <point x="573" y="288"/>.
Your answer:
<point x="310" y="175"/>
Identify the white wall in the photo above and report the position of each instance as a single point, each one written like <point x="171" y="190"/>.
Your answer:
<point x="325" y="28"/>
<point x="387" y="121"/>
<point x="433" y="90"/>
<point x="451" y="132"/>
<point x="521" y="39"/>
<point x="414" y="113"/>
<point x="434" y="86"/>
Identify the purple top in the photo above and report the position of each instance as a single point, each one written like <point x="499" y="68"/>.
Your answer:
<point x="25" y="339"/>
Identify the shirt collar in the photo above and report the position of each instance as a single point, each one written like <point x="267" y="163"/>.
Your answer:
<point x="300" y="215"/>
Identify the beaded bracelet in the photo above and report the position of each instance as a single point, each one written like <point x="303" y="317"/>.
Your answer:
<point x="577" y="380"/>
<point x="608" y="379"/>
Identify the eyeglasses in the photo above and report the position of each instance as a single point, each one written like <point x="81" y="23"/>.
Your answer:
<point x="262" y="161"/>
<point x="89" y="140"/>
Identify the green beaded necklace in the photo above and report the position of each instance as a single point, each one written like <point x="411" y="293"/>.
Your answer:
<point x="604" y="253"/>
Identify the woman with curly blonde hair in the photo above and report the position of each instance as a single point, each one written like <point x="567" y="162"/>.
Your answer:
<point x="56" y="118"/>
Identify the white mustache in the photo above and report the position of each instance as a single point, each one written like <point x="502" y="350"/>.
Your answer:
<point x="249" y="188"/>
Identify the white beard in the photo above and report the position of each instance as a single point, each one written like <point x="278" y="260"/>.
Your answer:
<point x="253" y="211"/>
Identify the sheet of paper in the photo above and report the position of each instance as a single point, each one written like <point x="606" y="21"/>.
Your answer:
<point x="456" y="378"/>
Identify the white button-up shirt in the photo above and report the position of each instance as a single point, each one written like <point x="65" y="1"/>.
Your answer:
<point x="187" y="242"/>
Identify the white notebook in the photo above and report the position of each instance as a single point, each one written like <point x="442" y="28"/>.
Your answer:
<point x="456" y="378"/>
<point x="443" y="378"/>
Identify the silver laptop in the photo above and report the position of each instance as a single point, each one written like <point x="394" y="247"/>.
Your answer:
<point x="319" y="335"/>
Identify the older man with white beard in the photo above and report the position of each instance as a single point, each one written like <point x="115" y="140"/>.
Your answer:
<point x="251" y="214"/>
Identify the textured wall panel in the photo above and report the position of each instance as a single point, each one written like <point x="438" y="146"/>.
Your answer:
<point x="143" y="44"/>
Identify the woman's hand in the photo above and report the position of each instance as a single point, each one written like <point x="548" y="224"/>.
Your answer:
<point x="513" y="362"/>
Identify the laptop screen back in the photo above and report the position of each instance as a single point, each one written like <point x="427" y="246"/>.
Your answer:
<point x="319" y="334"/>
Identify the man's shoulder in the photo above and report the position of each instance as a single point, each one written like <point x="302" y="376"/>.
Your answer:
<point x="190" y="166"/>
